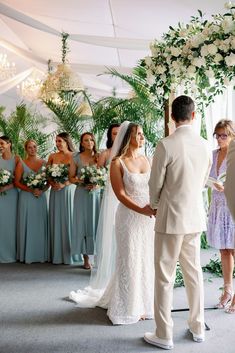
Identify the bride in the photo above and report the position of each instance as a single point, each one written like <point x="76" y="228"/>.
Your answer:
<point x="129" y="294"/>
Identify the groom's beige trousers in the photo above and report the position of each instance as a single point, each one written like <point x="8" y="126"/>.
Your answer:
<point x="170" y="248"/>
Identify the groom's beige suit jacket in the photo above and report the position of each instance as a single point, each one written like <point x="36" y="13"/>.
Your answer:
<point x="229" y="189"/>
<point x="180" y="169"/>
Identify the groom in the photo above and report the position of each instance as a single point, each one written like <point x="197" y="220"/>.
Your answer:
<point x="180" y="168"/>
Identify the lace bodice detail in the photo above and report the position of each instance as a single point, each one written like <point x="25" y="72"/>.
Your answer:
<point x="136" y="184"/>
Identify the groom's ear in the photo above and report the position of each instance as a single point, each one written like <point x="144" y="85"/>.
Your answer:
<point x="193" y="115"/>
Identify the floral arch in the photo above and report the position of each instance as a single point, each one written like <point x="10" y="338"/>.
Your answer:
<point x="199" y="56"/>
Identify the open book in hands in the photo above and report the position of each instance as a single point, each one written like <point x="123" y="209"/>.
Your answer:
<point x="220" y="180"/>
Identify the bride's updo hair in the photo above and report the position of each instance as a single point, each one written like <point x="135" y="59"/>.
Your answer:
<point x="126" y="139"/>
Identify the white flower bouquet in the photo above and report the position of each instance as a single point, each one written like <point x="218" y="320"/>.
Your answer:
<point x="58" y="173"/>
<point x="91" y="175"/>
<point x="6" y="178"/>
<point x="36" y="180"/>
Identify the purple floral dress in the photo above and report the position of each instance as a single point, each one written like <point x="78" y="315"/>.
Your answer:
<point x="220" y="233"/>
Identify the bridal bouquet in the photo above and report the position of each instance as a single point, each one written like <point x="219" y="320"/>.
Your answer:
<point x="94" y="176"/>
<point x="36" y="180"/>
<point x="59" y="173"/>
<point x="6" y="178"/>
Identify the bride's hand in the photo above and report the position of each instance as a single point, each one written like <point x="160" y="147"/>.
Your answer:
<point x="148" y="211"/>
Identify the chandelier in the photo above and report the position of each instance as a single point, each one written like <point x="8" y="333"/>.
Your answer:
<point x="30" y="88"/>
<point x="63" y="80"/>
<point x="7" y="69"/>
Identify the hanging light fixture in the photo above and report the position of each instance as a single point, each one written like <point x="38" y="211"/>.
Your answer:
<point x="63" y="80"/>
<point x="7" y="69"/>
<point x="31" y="86"/>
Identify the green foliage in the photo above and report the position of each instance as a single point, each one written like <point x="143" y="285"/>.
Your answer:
<point x="215" y="267"/>
<point x="23" y="125"/>
<point x="68" y="113"/>
<point x="139" y="108"/>
<point x="204" y="244"/>
<point x="179" y="281"/>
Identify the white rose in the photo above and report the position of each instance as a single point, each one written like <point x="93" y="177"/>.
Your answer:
<point x="150" y="78"/>
<point x="163" y="77"/>
<point x="224" y="47"/>
<point x="54" y="174"/>
<point x="228" y="5"/>
<point x="191" y="69"/>
<point x="160" y="69"/>
<point x="175" y="51"/>
<point x="212" y="49"/>
<point x="35" y="182"/>
<point x="228" y="24"/>
<point x="218" y="57"/>
<point x="204" y="50"/>
<point x="230" y="59"/>
<point x="199" y="62"/>
<point x="148" y="60"/>
<point x="210" y="73"/>
<point x="82" y="170"/>
<point x="5" y="179"/>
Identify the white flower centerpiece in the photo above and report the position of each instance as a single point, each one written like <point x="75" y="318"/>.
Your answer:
<point x="6" y="178"/>
<point x="199" y="56"/>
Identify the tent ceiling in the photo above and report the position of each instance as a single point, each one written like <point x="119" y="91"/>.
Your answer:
<point x="133" y="19"/>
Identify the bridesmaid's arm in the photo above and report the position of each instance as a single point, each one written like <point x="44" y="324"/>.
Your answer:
<point x="116" y="176"/>
<point x="72" y="173"/>
<point x="102" y="159"/>
<point x="18" y="176"/>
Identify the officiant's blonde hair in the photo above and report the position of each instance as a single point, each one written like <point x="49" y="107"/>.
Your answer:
<point x="227" y="125"/>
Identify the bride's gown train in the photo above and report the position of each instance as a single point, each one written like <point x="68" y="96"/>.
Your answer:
<point x="130" y="292"/>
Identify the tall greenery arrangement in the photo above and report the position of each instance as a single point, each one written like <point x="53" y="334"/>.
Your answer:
<point x="23" y="124"/>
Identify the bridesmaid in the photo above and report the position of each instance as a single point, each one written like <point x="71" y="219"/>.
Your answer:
<point x="8" y="204"/>
<point x="104" y="157"/>
<point x="61" y="204"/>
<point x="32" y="224"/>
<point x="86" y="203"/>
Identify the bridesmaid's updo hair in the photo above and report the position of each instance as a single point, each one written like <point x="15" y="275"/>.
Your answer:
<point x="27" y="142"/>
<point x="7" y="140"/>
<point x="81" y="148"/>
<point x="109" y="142"/>
<point x="227" y="125"/>
<point x="126" y="139"/>
<point x="65" y="136"/>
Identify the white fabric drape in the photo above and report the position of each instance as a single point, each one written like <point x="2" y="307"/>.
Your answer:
<point x="111" y="42"/>
<point x="221" y="109"/>
<point x="14" y="81"/>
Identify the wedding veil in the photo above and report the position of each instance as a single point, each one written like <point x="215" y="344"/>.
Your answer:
<point x="105" y="240"/>
<point x="105" y="235"/>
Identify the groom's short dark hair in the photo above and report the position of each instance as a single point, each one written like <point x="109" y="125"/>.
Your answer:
<point x="182" y="108"/>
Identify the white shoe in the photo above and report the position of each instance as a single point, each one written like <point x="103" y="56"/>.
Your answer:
<point x="151" y="338"/>
<point x="198" y="338"/>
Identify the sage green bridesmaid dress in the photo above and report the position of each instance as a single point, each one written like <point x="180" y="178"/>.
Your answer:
<point x="86" y="215"/>
<point x="32" y="229"/>
<point x="60" y="224"/>
<point x="8" y="214"/>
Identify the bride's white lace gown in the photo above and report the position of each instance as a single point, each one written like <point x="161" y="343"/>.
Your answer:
<point x="130" y="292"/>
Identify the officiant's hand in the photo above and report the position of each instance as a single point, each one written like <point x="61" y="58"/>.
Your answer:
<point x="219" y="187"/>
